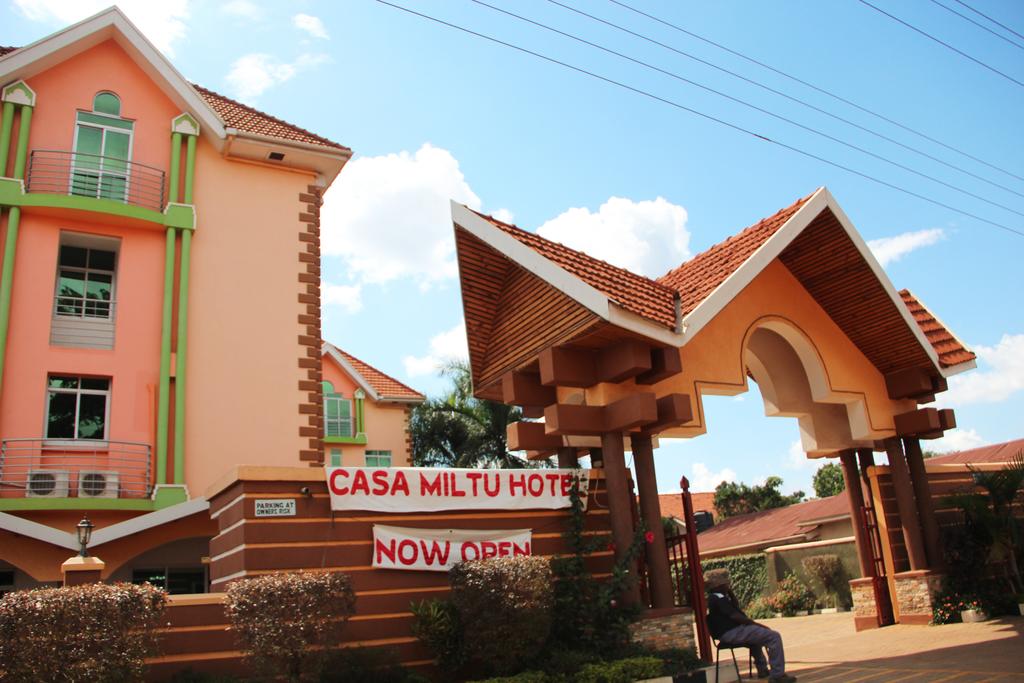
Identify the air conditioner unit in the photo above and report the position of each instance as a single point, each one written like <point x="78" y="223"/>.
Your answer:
<point x="97" y="484"/>
<point x="47" y="484"/>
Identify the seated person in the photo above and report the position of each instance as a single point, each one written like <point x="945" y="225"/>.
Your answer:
<point x="731" y="627"/>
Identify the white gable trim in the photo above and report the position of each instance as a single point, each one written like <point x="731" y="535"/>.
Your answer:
<point x="558" y="277"/>
<point x="330" y="350"/>
<point x="711" y="306"/>
<point x="40" y="532"/>
<point x="110" y="23"/>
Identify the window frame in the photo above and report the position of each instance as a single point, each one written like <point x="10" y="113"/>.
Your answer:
<point x="126" y="127"/>
<point x="89" y="243"/>
<point x="378" y="454"/>
<point x="78" y="391"/>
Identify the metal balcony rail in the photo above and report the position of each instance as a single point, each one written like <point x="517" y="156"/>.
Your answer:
<point x="75" y="468"/>
<point x="91" y="175"/>
<point x="73" y="306"/>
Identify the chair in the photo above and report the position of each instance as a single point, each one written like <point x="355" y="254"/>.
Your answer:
<point x="732" y="651"/>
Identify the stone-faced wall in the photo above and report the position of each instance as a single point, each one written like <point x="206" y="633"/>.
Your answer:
<point x="865" y="607"/>
<point x="665" y="628"/>
<point x="915" y="595"/>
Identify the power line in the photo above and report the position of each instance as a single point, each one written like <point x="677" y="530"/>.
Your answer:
<point x="677" y="105"/>
<point x="979" y="25"/>
<point x="752" y="106"/>
<point x="941" y="42"/>
<point x="816" y="88"/>
<point x="980" y="13"/>
<point x="760" y="85"/>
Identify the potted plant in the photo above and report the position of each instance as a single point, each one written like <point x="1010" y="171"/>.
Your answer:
<point x="973" y="612"/>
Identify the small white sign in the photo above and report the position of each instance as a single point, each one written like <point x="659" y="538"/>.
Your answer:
<point x="275" y="507"/>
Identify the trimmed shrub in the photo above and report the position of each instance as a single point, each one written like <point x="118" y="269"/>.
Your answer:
<point x="826" y="570"/>
<point x="748" y="575"/>
<point x="504" y="608"/>
<point x="93" y="632"/>
<point x="621" y="671"/>
<point x="366" y="665"/>
<point x="436" y="624"/>
<point x="286" y="622"/>
<point x="791" y="597"/>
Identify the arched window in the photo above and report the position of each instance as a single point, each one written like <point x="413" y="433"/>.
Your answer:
<point x="338" y="418"/>
<point x="107" y="102"/>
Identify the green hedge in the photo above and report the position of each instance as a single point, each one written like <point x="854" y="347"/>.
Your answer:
<point x="748" y="574"/>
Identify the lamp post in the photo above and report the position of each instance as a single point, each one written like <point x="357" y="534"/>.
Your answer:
<point x="84" y="534"/>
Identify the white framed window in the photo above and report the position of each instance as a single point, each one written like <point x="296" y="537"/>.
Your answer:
<point x="86" y="277"/>
<point x="339" y="420"/>
<point x="103" y="150"/>
<point x="335" y="457"/>
<point x="378" y="458"/>
<point x="77" y="408"/>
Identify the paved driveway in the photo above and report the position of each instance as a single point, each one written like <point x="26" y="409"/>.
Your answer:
<point x="825" y="648"/>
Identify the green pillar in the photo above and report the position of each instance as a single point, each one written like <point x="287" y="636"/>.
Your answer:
<point x="22" y="152"/>
<point x="172" y="186"/>
<point x="5" y="136"/>
<point x="180" y="373"/>
<point x="163" y="397"/>
<point x="190" y="168"/>
<point x="6" y="282"/>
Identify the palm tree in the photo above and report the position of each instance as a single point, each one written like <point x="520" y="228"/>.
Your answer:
<point x="461" y="430"/>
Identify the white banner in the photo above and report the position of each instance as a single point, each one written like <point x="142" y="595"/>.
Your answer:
<point x="426" y="489"/>
<point x="437" y="550"/>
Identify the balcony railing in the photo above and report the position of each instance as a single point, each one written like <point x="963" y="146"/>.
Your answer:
<point x="74" y="468"/>
<point x="91" y="175"/>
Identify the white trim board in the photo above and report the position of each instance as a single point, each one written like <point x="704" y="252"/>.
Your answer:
<point x="331" y="350"/>
<point x="559" y="278"/>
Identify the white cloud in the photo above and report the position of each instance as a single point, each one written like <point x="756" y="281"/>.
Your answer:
<point x="164" y="22"/>
<point x="503" y="215"/>
<point x="796" y="458"/>
<point x="311" y="25"/>
<point x="253" y="74"/>
<point x="703" y="479"/>
<point x="244" y="9"/>
<point x="891" y="249"/>
<point x="389" y="216"/>
<point x="956" y="440"/>
<point x="444" y="347"/>
<point x="346" y="297"/>
<point x="1002" y="376"/>
<point x="646" y="237"/>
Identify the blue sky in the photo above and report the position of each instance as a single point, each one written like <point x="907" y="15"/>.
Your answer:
<point x="433" y="113"/>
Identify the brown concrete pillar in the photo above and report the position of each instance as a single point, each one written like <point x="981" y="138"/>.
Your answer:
<point x="658" y="572"/>
<point x="568" y="458"/>
<point x="906" y="504"/>
<point x="619" y="505"/>
<point x="596" y="457"/>
<point x="79" y="570"/>
<point x="856" y="496"/>
<point x="923" y="494"/>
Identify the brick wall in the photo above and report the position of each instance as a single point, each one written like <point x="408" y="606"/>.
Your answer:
<point x="664" y="629"/>
<point x="312" y="405"/>
<point x="915" y="595"/>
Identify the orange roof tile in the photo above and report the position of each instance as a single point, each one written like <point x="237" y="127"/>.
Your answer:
<point x="697" y="278"/>
<point x="766" y="528"/>
<point x="386" y="386"/>
<point x="635" y="293"/>
<point x="997" y="453"/>
<point x="949" y="349"/>
<point x="245" y="118"/>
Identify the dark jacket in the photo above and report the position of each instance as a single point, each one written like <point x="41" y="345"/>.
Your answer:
<point x="724" y="612"/>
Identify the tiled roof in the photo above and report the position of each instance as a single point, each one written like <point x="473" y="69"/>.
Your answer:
<point x="385" y="385"/>
<point x="949" y="349"/>
<point x="245" y="118"/>
<point x="672" y="504"/>
<point x="697" y="278"/>
<point x="635" y="293"/>
<point x="760" y="530"/>
<point x="1000" y="452"/>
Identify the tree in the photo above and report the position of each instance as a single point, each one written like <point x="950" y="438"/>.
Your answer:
<point x="828" y="480"/>
<point x="733" y="498"/>
<point x="460" y="430"/>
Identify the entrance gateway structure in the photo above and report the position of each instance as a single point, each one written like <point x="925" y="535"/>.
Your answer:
<point x="611" y="359"/>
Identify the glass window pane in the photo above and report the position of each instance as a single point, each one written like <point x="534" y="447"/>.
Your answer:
<point x="71" y="283"/>
<point x="60" y="382"/>
<point x="107" y="103"/>
<point x="113" y="187"/>
<point x="332" y="409"/>
<point x="186" y="581"/>
<point x="60" y="422"/>
<point x="101" y="259"/>
<point x="115" y="146"/>
<point x="73" y="256"/>
<point x="345" y="408"/>
<point x="157" y="577"/>
<point x="332" y="428"/>
<point x="84" y="184"/>
<point x="99" y="286"/>
<point x="92" y="413"/>
<point x="88" y="147"/>
<point x="95" y="383"/>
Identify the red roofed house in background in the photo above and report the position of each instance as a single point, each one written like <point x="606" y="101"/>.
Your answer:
<point x="366" y="413"/>
<point x="797" y="302"/>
